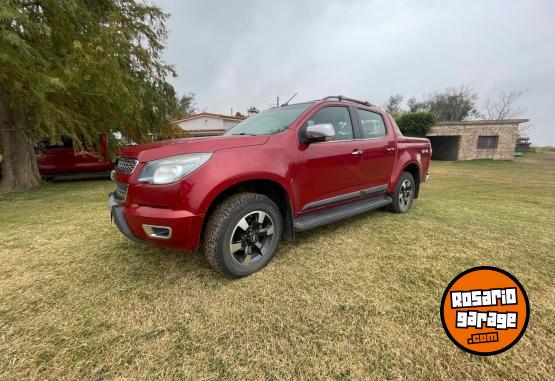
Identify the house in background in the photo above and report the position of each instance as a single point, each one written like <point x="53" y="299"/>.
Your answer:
<point x="475" y="139"/>
<point x="207" y="124"/>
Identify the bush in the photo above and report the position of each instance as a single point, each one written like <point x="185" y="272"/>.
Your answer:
<point x="416" y="123"/>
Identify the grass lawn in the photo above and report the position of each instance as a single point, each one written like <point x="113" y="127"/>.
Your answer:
<point x="355" y="300"/>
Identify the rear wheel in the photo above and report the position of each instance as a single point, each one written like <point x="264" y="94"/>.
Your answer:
<point x="242" y="234"/>
<point x="404" y="193"/>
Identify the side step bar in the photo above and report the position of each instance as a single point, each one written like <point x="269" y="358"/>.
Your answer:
<point x="338" y="213"/>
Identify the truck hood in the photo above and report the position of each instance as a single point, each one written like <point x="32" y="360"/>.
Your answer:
<point x="159" y="150"/>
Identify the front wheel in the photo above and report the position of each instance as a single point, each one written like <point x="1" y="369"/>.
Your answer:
<point x="242" y="234"/>
<point x="404" y="193"/>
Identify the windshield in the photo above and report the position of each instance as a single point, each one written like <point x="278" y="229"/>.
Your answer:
<point x="269" y="122"/>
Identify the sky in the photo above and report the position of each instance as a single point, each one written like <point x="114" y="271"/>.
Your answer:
<point x="237" y="54"/>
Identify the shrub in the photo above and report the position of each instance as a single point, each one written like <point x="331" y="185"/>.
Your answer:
<point x="416" y="123"/>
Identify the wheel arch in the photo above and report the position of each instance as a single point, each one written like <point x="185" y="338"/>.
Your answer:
<point x="270" y="188"/>
<point x="414" y="170"/>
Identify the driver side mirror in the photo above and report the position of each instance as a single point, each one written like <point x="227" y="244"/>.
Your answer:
<point x="318" y="133"/>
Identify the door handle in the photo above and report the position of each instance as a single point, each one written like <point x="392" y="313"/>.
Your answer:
<point x="390" y="150"/>
<point x="356" y="152"/>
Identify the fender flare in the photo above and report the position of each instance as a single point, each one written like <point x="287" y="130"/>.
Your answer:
<point x="399" y="169"/>
<point x="234" y="181"/>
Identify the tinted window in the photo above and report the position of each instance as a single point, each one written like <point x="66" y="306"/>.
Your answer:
<point x="65" y="142"/>
<point x="338" y="117"/>
<point x="372" y="124"/>
<point x="488" y="141"/>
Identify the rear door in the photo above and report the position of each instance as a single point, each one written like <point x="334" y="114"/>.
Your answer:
<point x="331" y="170"/>
<point x="378" y="145"/>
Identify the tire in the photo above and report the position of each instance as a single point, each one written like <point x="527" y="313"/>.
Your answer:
<point x="242" y="234"/>
<point x="404" y="194"/>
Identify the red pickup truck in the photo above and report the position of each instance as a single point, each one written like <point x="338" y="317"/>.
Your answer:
<point x="285" y="170"/>
<point x="60" y="161"/>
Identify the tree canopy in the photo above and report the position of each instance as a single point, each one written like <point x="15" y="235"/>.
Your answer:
<point x="416" y="123"/>
<point x="79" y="69"/>
<point x="505" y="106"/>
<point x="452" y="104"/>
<point x="393" y="104"/>
<point x="186" y="105"/>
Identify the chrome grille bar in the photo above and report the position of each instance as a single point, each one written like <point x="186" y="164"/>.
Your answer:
<point x="126" y="165"/>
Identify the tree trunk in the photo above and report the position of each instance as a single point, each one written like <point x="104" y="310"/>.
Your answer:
<point x="19" y="162"/>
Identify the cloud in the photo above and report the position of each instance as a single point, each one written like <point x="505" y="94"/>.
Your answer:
<point x="242" y="53"/>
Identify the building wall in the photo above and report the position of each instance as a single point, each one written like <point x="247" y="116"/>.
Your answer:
<point x="204" y="123"/>
<point x="507" y="130"/>
<point x="211" y="123"/>
<point x="228" y="123"/>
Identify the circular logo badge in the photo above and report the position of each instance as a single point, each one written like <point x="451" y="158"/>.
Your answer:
<point x="485" y="310"/>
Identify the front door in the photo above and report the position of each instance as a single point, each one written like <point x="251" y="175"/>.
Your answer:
<point x="330" y="170"/>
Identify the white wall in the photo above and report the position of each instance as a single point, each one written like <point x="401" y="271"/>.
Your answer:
<point x="204" y="123"/>
<point x="230" y="123"/>
<point x="207" y="123"/>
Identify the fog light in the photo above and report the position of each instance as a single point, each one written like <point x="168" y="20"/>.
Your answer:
<point x="158" y="232"/>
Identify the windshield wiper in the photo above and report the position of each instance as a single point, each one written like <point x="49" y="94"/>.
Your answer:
<point x="244" y="133"/>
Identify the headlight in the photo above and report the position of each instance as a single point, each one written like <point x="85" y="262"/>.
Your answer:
<point x="171" y="169"/>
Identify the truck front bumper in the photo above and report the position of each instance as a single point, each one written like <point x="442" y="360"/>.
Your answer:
<point x="116" y="211"/>
<point x="172" y="229"/>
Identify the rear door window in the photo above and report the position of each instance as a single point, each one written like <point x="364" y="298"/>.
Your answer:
<point x="371" y="124"/>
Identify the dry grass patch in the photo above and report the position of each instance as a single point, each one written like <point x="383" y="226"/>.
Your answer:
<point x="354" y="300"/>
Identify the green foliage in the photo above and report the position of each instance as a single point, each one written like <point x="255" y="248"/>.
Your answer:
<point x="80" y="68"/>
<point x="452" y="104"/>
<point x="415" y="105"/>
<point x="393" y="105"/>
<point x="416" y="123"/>
<point x="185" y="106"/>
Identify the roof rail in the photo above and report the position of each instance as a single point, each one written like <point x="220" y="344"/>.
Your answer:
<point x="343" y="98"/>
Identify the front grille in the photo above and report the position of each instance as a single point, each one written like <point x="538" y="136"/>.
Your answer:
<point x="121" y="192"/>
<point x="126" y="165"/>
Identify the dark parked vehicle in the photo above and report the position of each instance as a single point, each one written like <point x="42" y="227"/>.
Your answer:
<point x="282" y="171"/>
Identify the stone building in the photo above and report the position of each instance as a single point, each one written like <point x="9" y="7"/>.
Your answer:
<point x="475" y="139"/>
